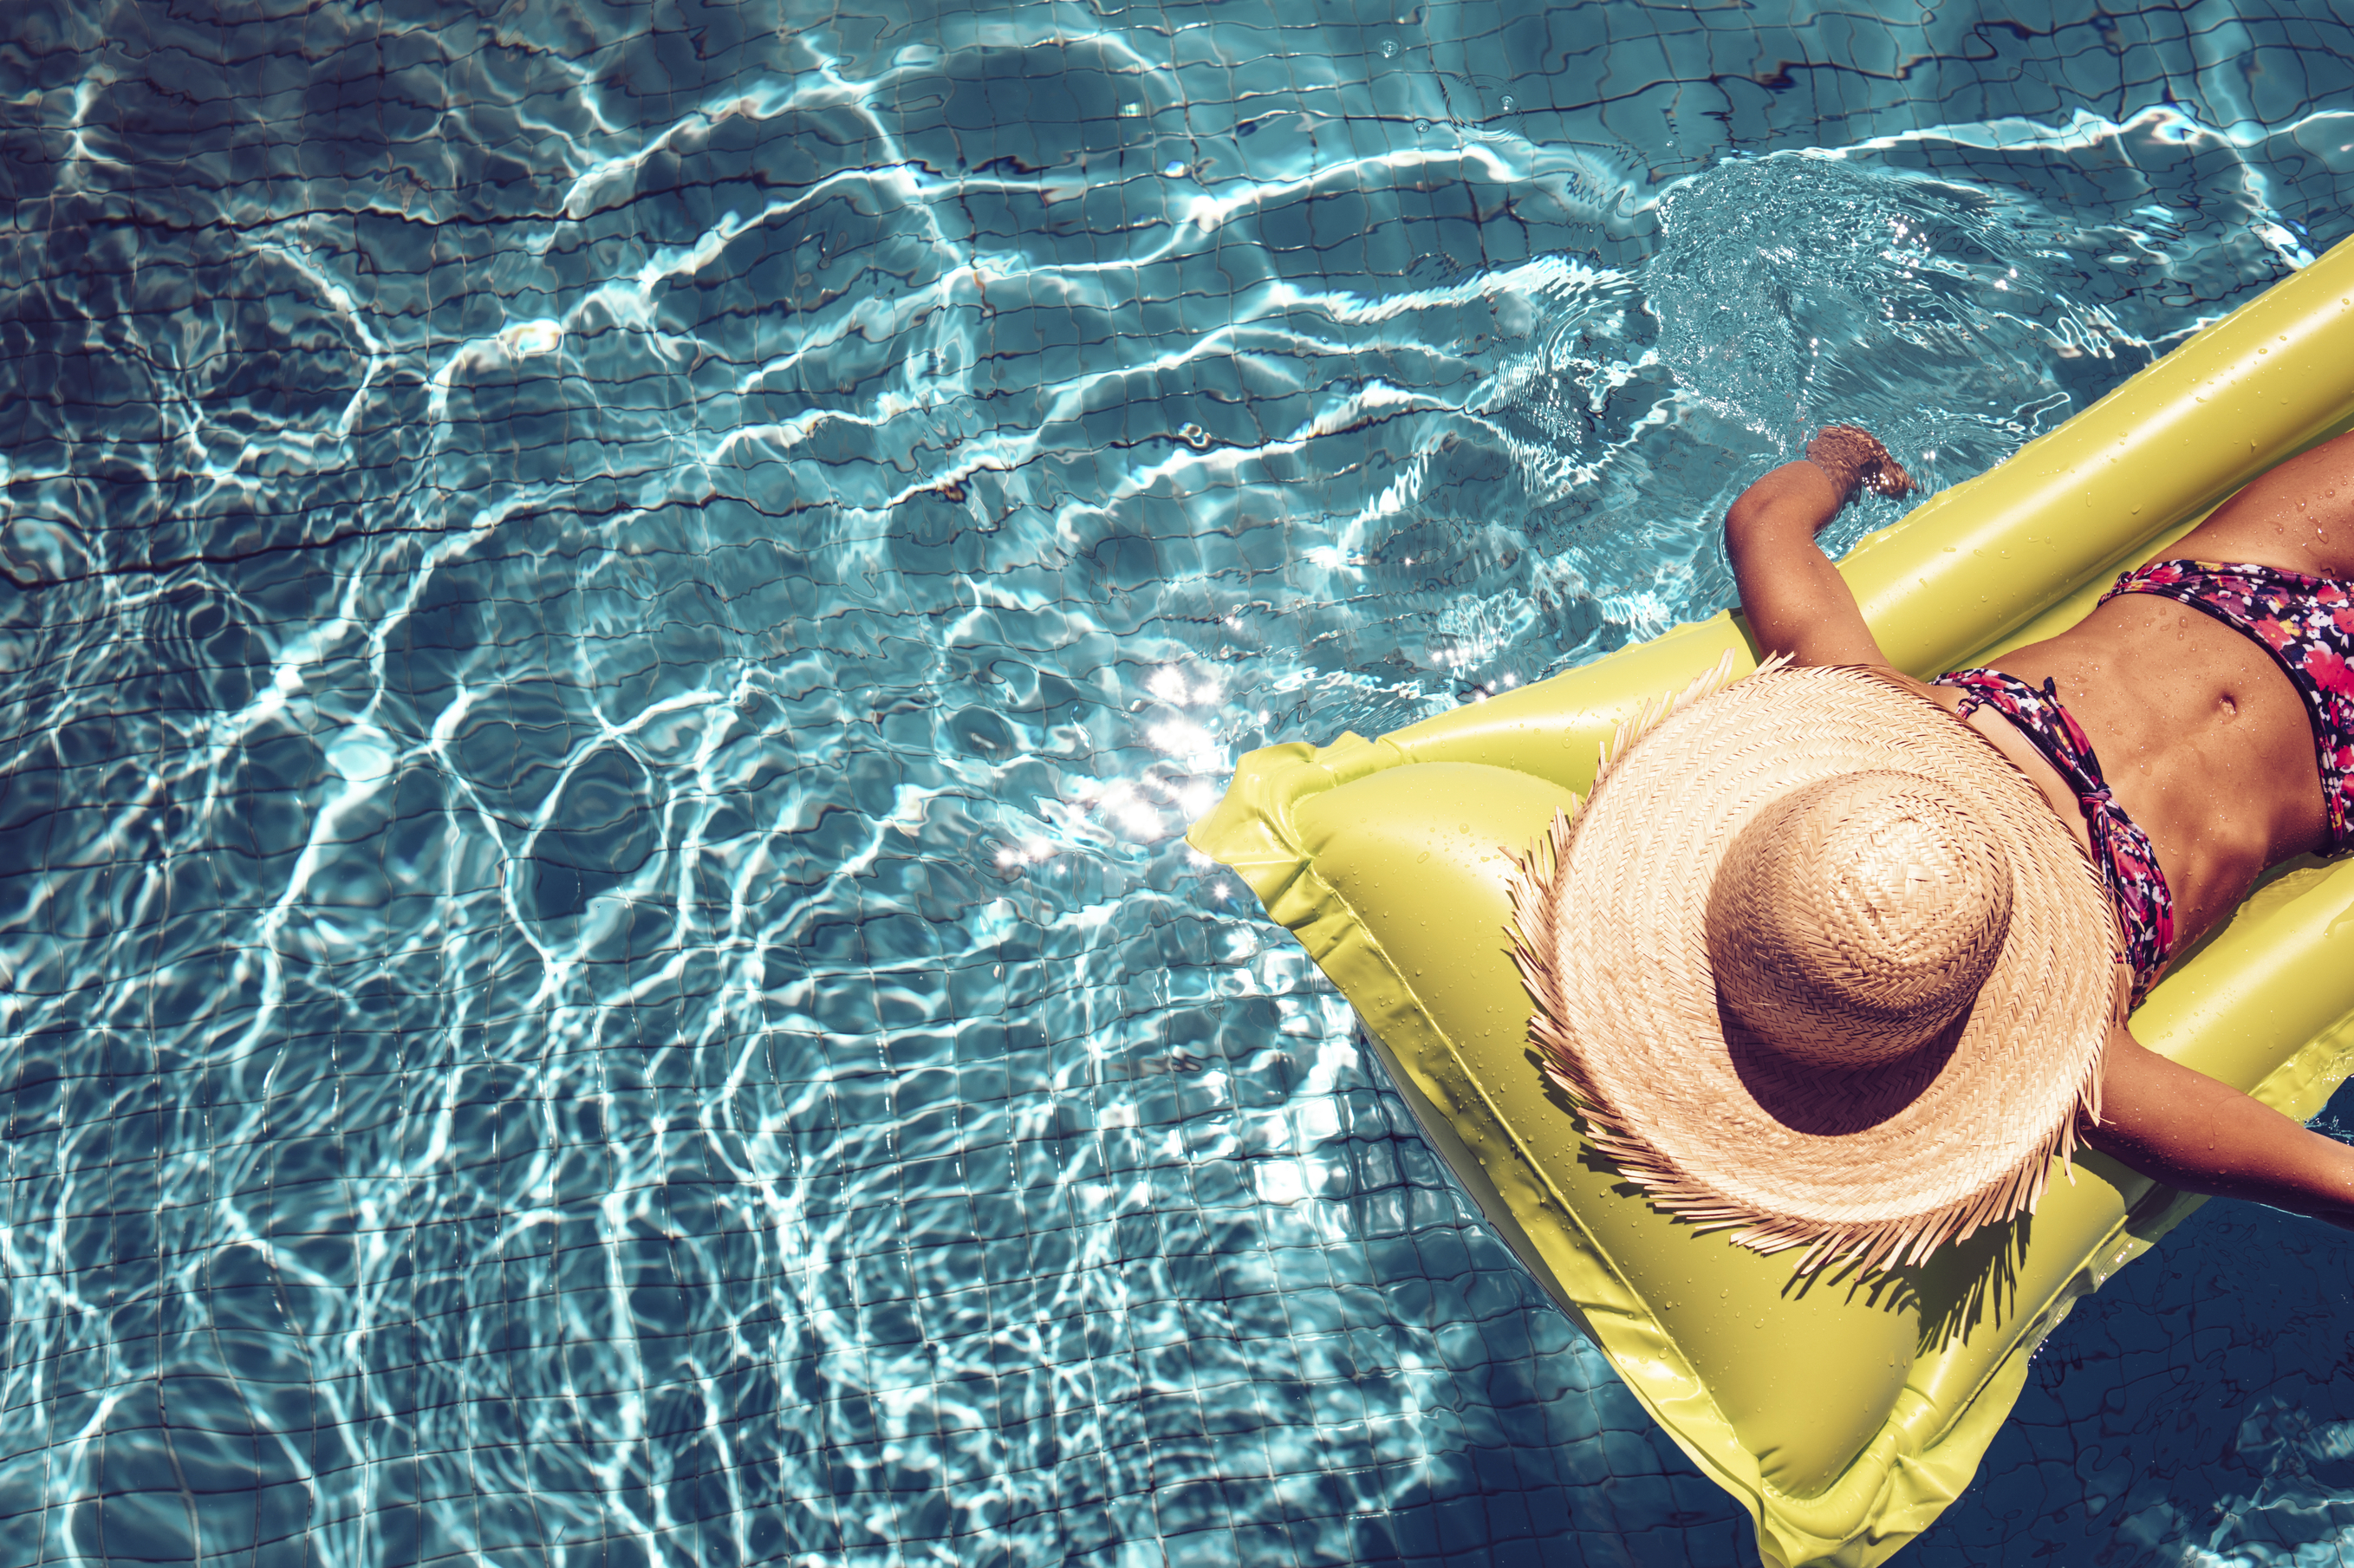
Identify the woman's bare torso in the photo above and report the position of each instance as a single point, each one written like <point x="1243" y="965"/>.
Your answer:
<point x="2201" y="738"/>
<point x="2204" y="741"/>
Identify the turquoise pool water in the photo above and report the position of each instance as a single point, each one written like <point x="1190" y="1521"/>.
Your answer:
<point x="610" y="620"/>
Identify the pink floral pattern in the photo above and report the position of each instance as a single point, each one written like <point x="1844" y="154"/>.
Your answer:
<point x="2128" y="864"/>
<point x="2308" y="623"/>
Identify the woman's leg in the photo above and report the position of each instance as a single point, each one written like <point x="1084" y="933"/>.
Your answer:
<point x="2186" y="1130"/>
<point x="2299" y="516"/>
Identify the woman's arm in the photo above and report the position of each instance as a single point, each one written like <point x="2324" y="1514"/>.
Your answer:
<point x="1794" y="598"/>
<point x="2189" y="1131"/>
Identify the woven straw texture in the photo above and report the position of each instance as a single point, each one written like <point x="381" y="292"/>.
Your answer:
<point x="1881" y="1163"/>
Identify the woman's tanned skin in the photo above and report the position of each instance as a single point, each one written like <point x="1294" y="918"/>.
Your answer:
<point x="2204" y="741"/>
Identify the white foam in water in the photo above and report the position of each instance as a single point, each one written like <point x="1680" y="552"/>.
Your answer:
<point x="610" y="625"/>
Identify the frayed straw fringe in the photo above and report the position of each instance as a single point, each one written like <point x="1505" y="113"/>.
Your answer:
<point x="1659" y="709"/>
<point x="1907" y="1242"/>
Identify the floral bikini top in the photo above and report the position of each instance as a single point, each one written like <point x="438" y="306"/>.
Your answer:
<point x="2128" y="863"/>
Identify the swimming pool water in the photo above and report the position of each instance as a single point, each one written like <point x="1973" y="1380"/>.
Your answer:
<point x="611" y="617"/>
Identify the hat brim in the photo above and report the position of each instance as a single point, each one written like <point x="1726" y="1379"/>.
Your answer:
<point x="1882" y="1165"/>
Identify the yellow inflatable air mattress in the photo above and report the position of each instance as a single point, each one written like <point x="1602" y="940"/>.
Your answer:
<point x="1844" y="1412"/>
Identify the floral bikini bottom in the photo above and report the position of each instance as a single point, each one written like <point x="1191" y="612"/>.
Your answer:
<point x="2306" y="621"/>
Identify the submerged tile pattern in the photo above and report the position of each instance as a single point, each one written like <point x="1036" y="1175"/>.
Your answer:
<point x="609" y="613"/>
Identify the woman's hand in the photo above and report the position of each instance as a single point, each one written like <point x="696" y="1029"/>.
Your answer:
<point x="1854" y="459"/>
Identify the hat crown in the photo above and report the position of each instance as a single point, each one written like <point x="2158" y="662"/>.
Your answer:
<point x="1853" y="920"/>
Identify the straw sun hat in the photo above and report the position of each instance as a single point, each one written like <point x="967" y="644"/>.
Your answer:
<point x="1819" y="966"/>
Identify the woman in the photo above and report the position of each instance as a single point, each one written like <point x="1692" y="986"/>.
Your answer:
<point x="2193" y="730"/>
